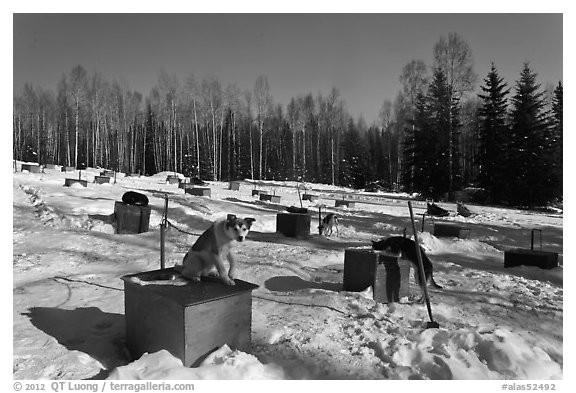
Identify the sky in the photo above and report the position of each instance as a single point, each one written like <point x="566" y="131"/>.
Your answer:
<point x="360" y="54"/>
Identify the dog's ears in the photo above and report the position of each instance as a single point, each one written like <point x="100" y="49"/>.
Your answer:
<point x="249" y="221"/>
<point x="231" y="217"/>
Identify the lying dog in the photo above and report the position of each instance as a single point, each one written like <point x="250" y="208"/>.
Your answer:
<point x="329" y="222"/>
<point x="215" y="244"/>
<point x="135" y="198"/>
<point x="406" y="248"/>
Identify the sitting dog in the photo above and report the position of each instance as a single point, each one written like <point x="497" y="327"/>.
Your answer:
<point x="406" y="248"/>
<point x="215" y="244"/>
<point x="135" y="198"/>
<point x="329" y="222"/>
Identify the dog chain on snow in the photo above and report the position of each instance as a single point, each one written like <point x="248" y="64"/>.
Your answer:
<point x="181" y="230"/>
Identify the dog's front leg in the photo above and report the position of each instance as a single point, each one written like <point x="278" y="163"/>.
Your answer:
<point x="232" y="270"/>
<point x="222" y="271"/>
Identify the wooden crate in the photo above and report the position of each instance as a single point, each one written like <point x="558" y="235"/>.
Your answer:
<point x="387" y="274"/>
<point x="198" y="191"/>
<point x="344" y="203"/>
<point x="101" y="179"/>
<point x="32" y="168"/>
<point x="107" y="173"/>
<point x="131" y="219"/>
<point x="451" y="230"/>
<point x="234" y="186"/>
<point x="271" y="198"/>
<point x="293" y="225"/>
<point x="69" y="182"/>
<point x="309" y="197"/>
<point x="171" y="179"/>
<point x="528" y="257"/>
<point x="50" y="166"/>
<point x="67" y="169"/>
<point x="190" y="321"/>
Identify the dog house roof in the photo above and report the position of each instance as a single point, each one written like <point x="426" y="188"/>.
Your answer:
<point x="209" y="289"/>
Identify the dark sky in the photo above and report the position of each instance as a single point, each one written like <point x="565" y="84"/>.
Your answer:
<point x="361" y="55"/>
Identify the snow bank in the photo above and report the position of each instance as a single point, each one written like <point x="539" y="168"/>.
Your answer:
<point x="222" y="364"/>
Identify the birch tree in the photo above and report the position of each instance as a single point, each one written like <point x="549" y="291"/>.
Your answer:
<point x="263" y="102"/>
<point x="212" y="99"/>
<point x="454" y="57"/>
<point x="78" y="91"/>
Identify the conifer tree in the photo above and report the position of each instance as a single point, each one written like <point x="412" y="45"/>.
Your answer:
<point x="420" y="149"/>
<point x="493" y="135"/>
<point x="353" y="167"/>
<point x="431" y="140"/>
<point x="556" y="141"/>
<point x="529" y="166"/>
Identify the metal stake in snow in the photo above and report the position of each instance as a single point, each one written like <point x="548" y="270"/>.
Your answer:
<point x="319" y="219"/>
<point x="162" y="229"/>
<point x="432" y="323"/>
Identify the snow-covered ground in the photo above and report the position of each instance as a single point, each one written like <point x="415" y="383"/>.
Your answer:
<point x="68" y="301"/>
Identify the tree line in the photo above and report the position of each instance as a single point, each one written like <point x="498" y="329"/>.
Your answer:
<point x="434" y="139"/>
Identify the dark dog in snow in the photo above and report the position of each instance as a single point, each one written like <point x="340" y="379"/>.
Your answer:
<point x="406" y="248"/>
<point x="135" y="198"/>
<point x="213" y="246"/>
<point x="329" y="222"/>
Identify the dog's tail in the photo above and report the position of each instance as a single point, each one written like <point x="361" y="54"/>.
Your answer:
<point x="433" y="283"/>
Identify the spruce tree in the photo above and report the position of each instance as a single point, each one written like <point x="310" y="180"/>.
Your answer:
<point x="493" y="136"/>
<point x="529" y="166"/>
<point x="354" y="164"/>
<point x="419" y="150"/>
<point x="431" y="145"/>
<point x="556" y="141"/>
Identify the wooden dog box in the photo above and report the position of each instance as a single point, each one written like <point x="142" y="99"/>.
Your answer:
<point x="67" y="169"/>
<point x="171" y="179"/>
<point x="184" y="185"/>
<point x="69" y="182"/>
<point x="198" y="191"/>
<point x="309" y="197"/>
<point x="451" y="230"/>
<point x="107" y="173"/>
<point x="344" y="203"/>
<point x="271" y="198"/>
<point x="50" y="166"/>
<point x="234" y="186"/>
<point x="528" y="257"/>
<point x="191" y="320"/>
<point x="387" y="274"/>
<point x="131" y="219"/>
<point x="293" y="224"/>
<point x="32" y="168"/>
<point x="101" y="179"/>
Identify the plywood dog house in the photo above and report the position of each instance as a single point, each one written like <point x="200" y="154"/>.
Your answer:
<point x="190" y="320"/>
<point x="386" y="273"/>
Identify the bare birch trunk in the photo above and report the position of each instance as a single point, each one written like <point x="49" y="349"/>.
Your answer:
<point x="197" y="140"/>
<point x="304" y="152"/>
<point x="77" y="131"/>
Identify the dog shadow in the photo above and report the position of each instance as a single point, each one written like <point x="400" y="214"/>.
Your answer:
<point x="315" y="241"/>
<point x="90" y="330"/>
<point x="105" y="218"/>
<point x="295" y="283"/>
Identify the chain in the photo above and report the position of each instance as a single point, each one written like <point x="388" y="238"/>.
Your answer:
<point x="181" y="230"/>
